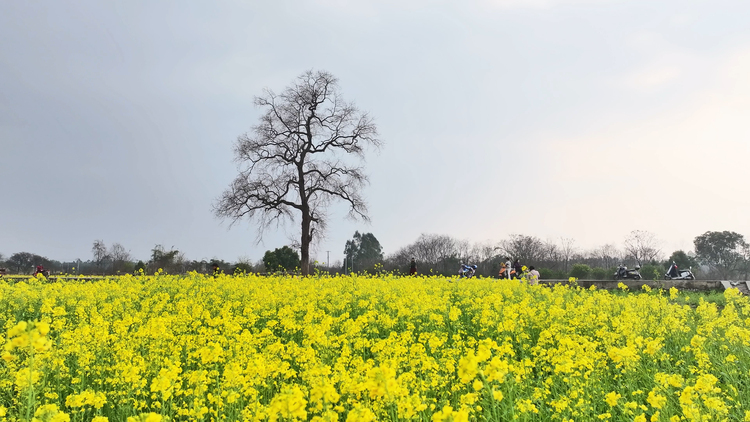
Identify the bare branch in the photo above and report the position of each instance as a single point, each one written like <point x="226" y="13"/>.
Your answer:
<point x="300" y="158"/>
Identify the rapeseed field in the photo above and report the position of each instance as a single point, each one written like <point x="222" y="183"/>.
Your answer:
<point x="366" y="348"/>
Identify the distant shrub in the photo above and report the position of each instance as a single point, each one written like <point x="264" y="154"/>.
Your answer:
<point x="549" y="274"/>
<point x="599" y="273"/>
<point x="652" y="272"/>
<point x="580" y="271"/>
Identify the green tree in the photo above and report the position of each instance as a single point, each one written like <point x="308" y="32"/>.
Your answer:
<point x="652" y="272"/>
<point x="599" y="273"/>
<point x="169" y="261"/>
<point x="682" y="259"/>
<point x="243" y="265"/>
<point x="281" y="259"/>
<point x="580" y="271"/>
<point x="24" y="262"/>
<point x="362" y="252"/>
<point x="224" y="266"/>
<point x="725" y="252"/>
<point x="140" y="265"/>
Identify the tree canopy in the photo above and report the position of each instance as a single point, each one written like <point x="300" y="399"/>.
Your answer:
<point x="362" y="252"/>
<point x="284" y="258"/>
<point x="682" y="259"/>
<point x="304" y="154"/>
<point x="724" y="251"/>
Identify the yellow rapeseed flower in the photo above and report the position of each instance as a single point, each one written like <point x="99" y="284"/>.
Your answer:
<point x="655" y="400"/>
<point x="611" y="398"/>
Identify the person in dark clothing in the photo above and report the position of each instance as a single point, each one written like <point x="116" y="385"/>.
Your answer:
<point x="413" y="267"/>
<point x="216" y="270"/>
<point x="518" y="267"/>
<point x="40" y="270"/>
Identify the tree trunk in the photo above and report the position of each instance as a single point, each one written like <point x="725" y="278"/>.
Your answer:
<point x="305" y="245"/>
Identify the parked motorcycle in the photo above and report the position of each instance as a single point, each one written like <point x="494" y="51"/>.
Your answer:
<point x="675" y="273"/>
<point x="623" y="272"/>
<point x="467" y="271"/>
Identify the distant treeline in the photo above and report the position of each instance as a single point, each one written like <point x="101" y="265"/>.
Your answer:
<point x="716" y="255"/>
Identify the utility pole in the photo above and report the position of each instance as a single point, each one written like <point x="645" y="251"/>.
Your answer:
<point x="328" y="261"/>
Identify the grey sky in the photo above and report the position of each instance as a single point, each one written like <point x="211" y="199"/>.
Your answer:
<point x="583" y="119"/>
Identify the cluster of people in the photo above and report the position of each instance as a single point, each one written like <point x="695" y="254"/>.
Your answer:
<point x="516" y="270"/>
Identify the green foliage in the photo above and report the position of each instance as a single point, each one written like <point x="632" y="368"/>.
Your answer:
<point x="127" y="267"/>
<point x="242" y="268"/>
<point x="598" y="273"/>
<point x="140" y="265"/>
<point x="281" y="259"/>
<point x="695" y="298"/>
<point x="167" y="260"/>
<point x="24" y="262"/>
<point x="652" y="272"/>
<point x="723" y="251"/>
<point x="224" y="266"/>
<point x="548" y="274"/>
<point x="580" y="271"/>
<point x="682" y="260"/>
<point x="362" y="253"/>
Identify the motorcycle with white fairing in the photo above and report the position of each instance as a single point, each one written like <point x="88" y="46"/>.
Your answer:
<point x="467" y="271"/>
<point x="675" y="273"/>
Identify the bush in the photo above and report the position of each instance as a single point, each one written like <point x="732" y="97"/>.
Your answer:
<point x="547" y="274"/>
<point x="652" y="272"/>
<point x="580" y="271"/>
<point x="599" y="273"/>
<point x="242" y="268"/>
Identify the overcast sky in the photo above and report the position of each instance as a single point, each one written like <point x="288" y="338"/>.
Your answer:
<point x="553" y="118"/>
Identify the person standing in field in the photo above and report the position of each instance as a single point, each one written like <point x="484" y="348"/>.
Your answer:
<point x="518" y="268"/>
<point x="533" y="276"/>
<point x="413" y="267"/>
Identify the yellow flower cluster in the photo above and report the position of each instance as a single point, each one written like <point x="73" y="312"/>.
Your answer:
<point x="25" y="337"/>
<point x="366" y="348"/>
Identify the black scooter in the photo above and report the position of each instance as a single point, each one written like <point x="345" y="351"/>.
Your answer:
<point x="623" y="272"/>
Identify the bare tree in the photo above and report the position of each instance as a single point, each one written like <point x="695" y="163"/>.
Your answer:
<point x="305" y="153"/>
<point x="119" y="256"/>
<point x="485" y="253"/>
<point x="567" y="249"/>
<point x="465" y="252"/>
<point x="99" y="251"/>
<point x="525" y="248"/>
<point x="434" y="251"/>
<point x="643" y="246"/>
<point x="606" y="256"/>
